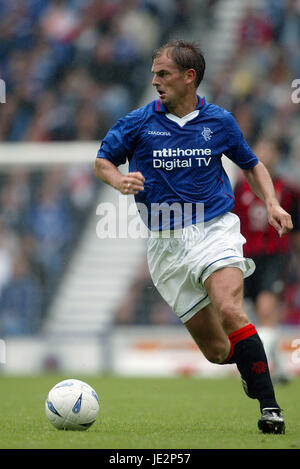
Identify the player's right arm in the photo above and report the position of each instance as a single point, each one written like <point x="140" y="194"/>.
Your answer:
<point x="116" y="149"/>
<point x="130" y="183"/>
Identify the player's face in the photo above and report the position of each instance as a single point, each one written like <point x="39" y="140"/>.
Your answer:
<point x="169" y="81"/>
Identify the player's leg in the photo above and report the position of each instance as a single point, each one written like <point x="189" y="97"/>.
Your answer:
<point x="206" y="329"/>
<point x="225" y="289"/>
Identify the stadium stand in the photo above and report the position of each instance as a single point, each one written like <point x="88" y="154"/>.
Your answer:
<point x="72" y="68"/>
<point x="42" y="214"/>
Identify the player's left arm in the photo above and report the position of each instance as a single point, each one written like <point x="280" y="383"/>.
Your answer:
<point x="261" y="184"/>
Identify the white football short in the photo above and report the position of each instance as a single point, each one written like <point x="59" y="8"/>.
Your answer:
<point x="180" y="262"/>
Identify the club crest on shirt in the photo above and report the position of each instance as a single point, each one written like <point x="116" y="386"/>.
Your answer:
<point x="206" y="133"/>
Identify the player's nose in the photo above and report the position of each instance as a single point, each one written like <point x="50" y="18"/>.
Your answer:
<point x="155" y="80"/>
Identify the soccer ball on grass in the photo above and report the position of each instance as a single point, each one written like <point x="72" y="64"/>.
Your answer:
<point x="72" y="405"/>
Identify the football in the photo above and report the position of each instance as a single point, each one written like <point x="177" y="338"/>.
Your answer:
<point x="72" y="405"/>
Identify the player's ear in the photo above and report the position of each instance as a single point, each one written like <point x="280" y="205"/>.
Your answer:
<point x="190" y="76"/>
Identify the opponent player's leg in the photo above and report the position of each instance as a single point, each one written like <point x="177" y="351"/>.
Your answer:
<point x="265" y="293"/>
<point x="225" y="290"/>
<point x="267" y="309"/>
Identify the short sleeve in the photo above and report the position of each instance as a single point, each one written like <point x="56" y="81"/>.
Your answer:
<point x="238" y="149"/>
<point x="120" y="141"/>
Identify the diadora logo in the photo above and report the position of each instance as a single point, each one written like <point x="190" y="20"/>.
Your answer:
<point x="161" y="133"/>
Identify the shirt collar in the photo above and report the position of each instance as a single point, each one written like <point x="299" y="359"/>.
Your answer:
<point x="159" y="107"/>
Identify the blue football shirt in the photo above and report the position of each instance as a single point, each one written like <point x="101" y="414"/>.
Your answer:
<point x="181" y="164"/>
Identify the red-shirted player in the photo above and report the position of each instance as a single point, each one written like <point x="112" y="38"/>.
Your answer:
<point x="269" y="251"/>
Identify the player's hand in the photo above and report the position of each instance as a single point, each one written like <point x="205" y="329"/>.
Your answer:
<point x="280" y="220"/>
<point x="132" y="183"/>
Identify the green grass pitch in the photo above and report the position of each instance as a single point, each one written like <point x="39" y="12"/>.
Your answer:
<point x="148" y="413"/>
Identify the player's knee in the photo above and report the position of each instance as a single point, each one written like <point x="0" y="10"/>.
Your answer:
<point x="216" y="354"/>
<point x="233" y="316"/>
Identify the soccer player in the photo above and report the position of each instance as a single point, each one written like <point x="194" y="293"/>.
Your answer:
<point x="174" y="147"/>
<point x="269" y="252"/>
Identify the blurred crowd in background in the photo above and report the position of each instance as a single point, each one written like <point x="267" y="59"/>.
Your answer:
<point x="71" y="69"/>
<point x="256" y="82"/>
<point x="42" y="217"/>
